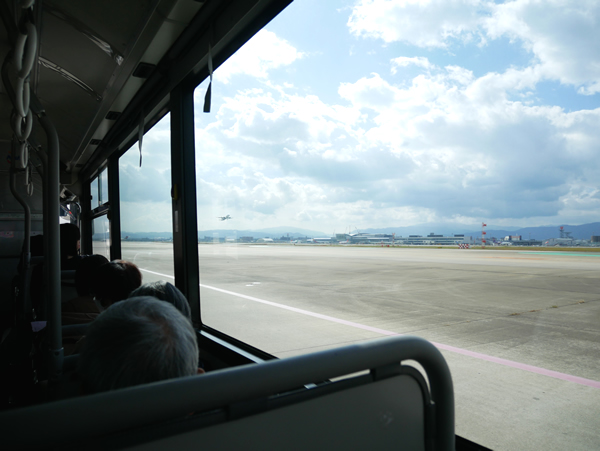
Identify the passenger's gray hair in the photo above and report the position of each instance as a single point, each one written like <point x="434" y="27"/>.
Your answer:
<point x="137" y="341"/>
<point x="165" y="292"/>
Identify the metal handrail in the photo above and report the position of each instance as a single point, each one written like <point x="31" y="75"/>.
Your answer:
<point x="120" y="410"/>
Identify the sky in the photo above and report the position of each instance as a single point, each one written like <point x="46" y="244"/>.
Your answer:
<point x="344" y="115"/>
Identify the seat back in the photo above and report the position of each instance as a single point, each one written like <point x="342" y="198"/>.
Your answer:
<point x="67" y="285"/>
<point x="288" y="403"/>
<point x="360" y="414"/>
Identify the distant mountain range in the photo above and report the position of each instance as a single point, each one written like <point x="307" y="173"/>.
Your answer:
<point x="580" y="232"/>
<point x="272" y="232"/>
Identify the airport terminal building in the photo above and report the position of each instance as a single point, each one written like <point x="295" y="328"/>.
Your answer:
<point x="433" y="239"/>
<point x="382" y="238"/>
<point x="370" y="238"/>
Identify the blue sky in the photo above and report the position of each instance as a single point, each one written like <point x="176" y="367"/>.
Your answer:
<point x="382" y="113"/>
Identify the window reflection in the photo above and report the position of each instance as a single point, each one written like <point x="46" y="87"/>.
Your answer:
<point x="94" y="193"/>
<point x="103" y="187"/>
<point x="101" y="236"/>
<point x="145" y="198"/>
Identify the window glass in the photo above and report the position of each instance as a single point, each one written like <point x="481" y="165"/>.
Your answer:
<point x="95" y="193"/>
<point x="101" y="236"/>
<point x="146" y="210"/>
<point x="103" y="187"/>
<point x="343" y="128"/>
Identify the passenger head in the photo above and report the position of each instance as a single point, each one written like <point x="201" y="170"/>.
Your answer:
<point x="86" y="273"/>
<point x="115" y="280"/>
<point x="137" y="341"/>
<point x="165" y="292"/>
<point x="69" y="241"/>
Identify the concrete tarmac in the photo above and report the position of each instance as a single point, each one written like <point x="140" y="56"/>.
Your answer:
<point x="519" y="329"/>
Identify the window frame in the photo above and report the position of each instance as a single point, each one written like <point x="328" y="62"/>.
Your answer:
<point x="183" y="195"/>
<point x="172" y="91"/>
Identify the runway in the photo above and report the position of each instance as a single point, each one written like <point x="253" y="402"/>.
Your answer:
<point x="518" y="329"/>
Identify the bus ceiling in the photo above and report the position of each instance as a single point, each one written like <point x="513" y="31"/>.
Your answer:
<point x="106" y="66"/>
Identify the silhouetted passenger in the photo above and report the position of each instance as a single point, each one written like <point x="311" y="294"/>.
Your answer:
<point x="69" y="246"/>
<point x="83" y="308"/>
<point x="114" y="281"/>
<point x="137" y="341"/>
<point x="87" y="272"/>
<point x="69" y="260"/>
<point x="165" y="292"/>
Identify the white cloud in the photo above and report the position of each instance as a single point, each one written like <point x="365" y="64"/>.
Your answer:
<point x="424" y="23"/>
<point x="563" y="35"/>
<point x="373" y="92"/>
<point x="475" y="151"/>
<point x="287" y="154"/>
<point x="449" y="144"/>
<point x="404" y="61"/>
<point x="459" y="74"/>
<point x="264" y="52"/>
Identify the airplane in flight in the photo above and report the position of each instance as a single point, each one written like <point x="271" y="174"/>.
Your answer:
<point x="224" y="218"/>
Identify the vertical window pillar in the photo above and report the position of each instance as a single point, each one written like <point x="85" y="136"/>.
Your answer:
<point x="86" y="219"/>
<point x="183" y="194"/>
<point x="114" y="212"/>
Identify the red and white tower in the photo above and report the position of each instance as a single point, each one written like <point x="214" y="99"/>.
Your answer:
<point x="483" y="240"/>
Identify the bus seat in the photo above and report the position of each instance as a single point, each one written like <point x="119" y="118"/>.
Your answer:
<point x="8" y="279"/>
<point x="8" y="270"/>
<point x="289" y="403"/>
<point x="67" y="285"/>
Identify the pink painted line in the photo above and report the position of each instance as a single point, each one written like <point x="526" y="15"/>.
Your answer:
<point x="476" y="355"/>
<point x="521" y="366"/>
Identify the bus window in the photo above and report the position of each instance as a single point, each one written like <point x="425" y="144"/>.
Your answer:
<point x="145" y="198"/>
<point x="246" y="203"/>
<point x="99" y="189"/>
<point x="101" y="236"/>
<point x="103" y="187"/>
<point x="389" y="125"/>
<point x="95" y="193"/>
